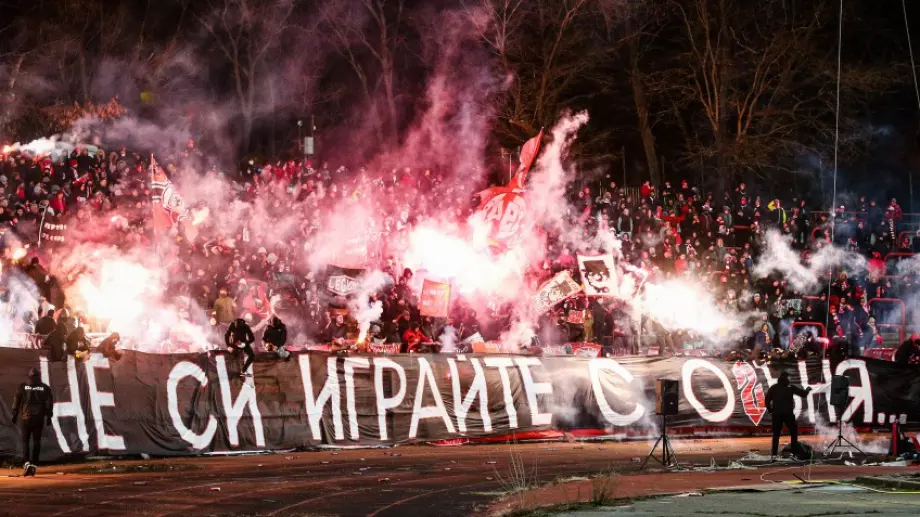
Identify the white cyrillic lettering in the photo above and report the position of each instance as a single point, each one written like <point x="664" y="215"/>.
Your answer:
<point x="426" y="376"/>
<point x="862" y="394"/>
<point x="478" y="388"/>
<point x="234" y="408"/>
<point x="503" y="363"/>
<point x="595" y="367"/>
<point x="385" y="403"/>
<point x="328" y="395"/>
<point x="687" y="377"/>
<point x="97" y="399"/>
<point x="532" y="389"/>
<point x="68" y="409"/>
<point x="822" y="386"/>
<point x="350" y="364"/>
<point x="179" y="372"/>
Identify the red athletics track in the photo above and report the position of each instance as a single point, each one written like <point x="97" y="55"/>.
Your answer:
<point x="402" y="481"/>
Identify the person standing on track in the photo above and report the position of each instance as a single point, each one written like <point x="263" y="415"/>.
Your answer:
<point x="781" y="405"/>
<point x="32" y="407"/>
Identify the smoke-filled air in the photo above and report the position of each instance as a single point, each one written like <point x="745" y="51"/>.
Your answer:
<point x="386" y="177"/>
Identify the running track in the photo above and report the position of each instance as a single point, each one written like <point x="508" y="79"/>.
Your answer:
<point x="402" y="481"/>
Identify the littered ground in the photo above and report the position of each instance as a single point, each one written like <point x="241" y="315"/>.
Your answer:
<point x="401" y="481"/>
<point x="794" y="501"/>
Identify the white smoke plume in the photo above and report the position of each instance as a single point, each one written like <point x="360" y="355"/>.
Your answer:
<point x="779" y="257"/>
<point x="547" y="184"/>
<point x="20" y="302"/>
<point x="360" y="306"/>
<point x="448" y="339"/>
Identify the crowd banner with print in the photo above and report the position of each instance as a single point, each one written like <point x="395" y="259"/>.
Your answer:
<point x="555" y="290"/>
<point x="183" y="404"/>
<point x="342" y="281"/>
<point x="598" y="275"/>
<point x="52" y="231"/>
<point x="435" y="299"/>
<point x="385" y="348"/>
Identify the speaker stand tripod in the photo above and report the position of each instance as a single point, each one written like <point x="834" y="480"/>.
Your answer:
<point x="668" y="457"/>
<point x="840" y="441"/>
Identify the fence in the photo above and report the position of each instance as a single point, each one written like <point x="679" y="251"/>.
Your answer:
<point x="903" y="316"/>
<point x="803" y="324"/>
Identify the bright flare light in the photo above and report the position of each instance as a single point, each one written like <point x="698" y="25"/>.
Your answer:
<point x="679" y="304"/>
<point x="469" y="268"/>
<point x="120" y="292"/>
<point x="200" y="216"/>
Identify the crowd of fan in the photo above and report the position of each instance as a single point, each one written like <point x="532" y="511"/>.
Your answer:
<point x="669" y="231"/>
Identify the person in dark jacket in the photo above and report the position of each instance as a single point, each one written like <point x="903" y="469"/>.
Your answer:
<point x="77" y="344"/>
<point x="45" y="324"/>
<point x="54" y="343"/>
<point x="239" y="338"/>
<point x="781" y="405"/>
<point x="275" y="337"/>
<point x="908" y="351"/>
<point x="32" y="408"/>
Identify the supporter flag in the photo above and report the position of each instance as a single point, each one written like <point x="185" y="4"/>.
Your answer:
<point x="598" y="275"/>
<point x="52" y="231"/>
<point x="435" y="299"/>
<point x="554" y="291"/>
<point x="504" y="208"/>
<point x="168" y="205"/>
<point x="528" y="155"/>
<point x="342" y="281"/>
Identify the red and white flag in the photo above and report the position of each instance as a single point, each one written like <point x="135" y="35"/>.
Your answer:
<point x="504" y="208"/>
<point x="168" y="205"/>
<point x="528" y="155"/>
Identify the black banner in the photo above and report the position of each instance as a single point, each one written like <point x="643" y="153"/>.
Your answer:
<point x="189" y="404"/>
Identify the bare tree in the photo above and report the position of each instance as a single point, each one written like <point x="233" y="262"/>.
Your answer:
<point x="245" y="32"/>
<point x="757" y="81"/>
<point x="544" y="53"/>
<point x="367" y="33"/>
<point x="629" y="31"/>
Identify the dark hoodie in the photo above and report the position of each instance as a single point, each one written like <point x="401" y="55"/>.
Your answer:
<point x="77" y="342"/>
<point x="906" y="351"/>
<point x="780" y="396"/>
<point x="33" y="399"/>
<point x="275" y="333"/>
<point x="239" y="334"/>
<point x="54" y="343"/>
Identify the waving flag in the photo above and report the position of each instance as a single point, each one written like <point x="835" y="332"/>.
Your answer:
<point x="504" y="207"/>
<point x="554" y="291"/>
<point x="435" y="299"/>
<point x="599" y="275"/>
<point x="528" y="155"/>
<point x="168" y="205"/>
